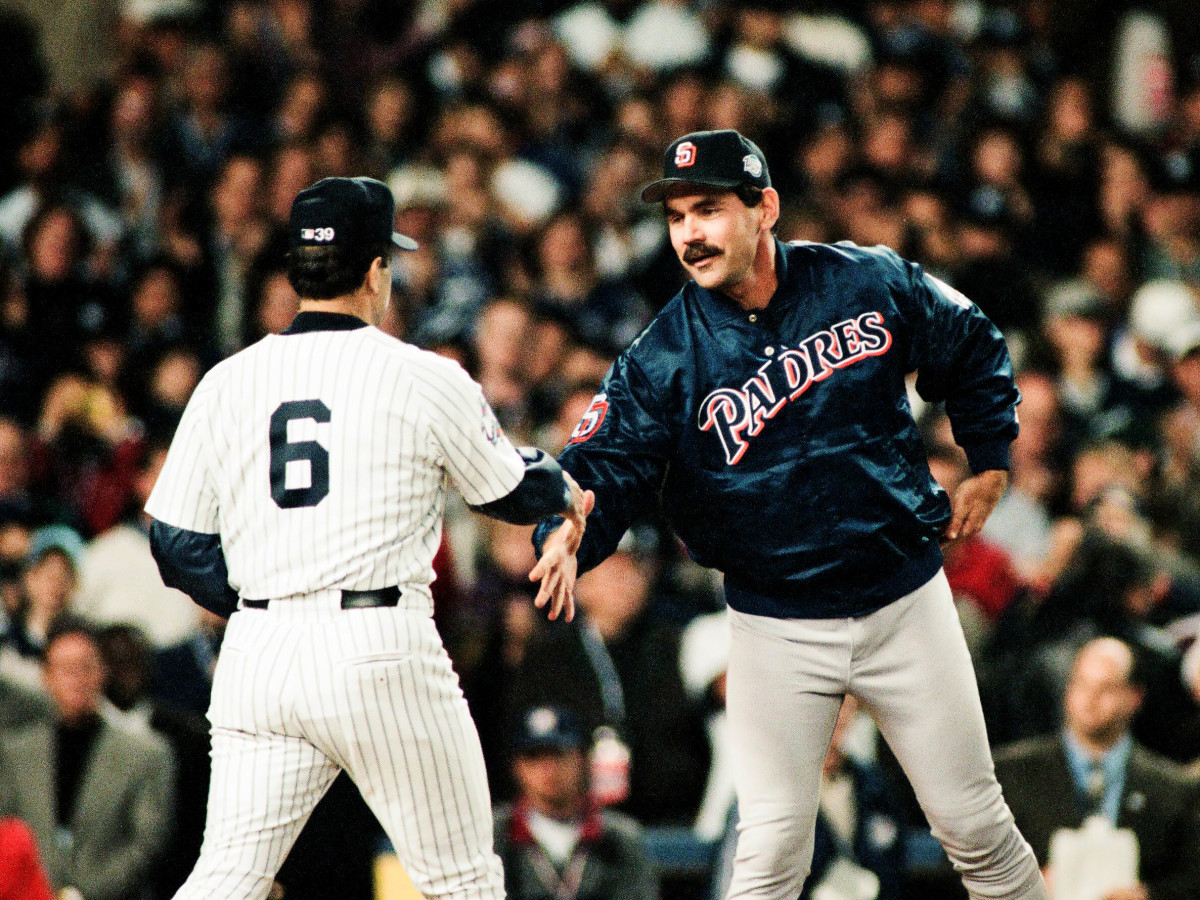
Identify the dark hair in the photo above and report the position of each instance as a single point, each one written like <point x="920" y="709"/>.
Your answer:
<point x="67" y="623"/>
<point x="749" y="194"/>
<point x="325" y="273"/>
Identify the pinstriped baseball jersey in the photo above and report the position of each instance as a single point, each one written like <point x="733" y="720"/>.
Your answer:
<point x="322" y="459"/>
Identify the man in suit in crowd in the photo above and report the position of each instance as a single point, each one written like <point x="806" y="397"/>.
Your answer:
<point x="19" y="705"/>
<point x="554" y="841"/>
<point x="95" y="792"/>
<point x="1095" y="768"/>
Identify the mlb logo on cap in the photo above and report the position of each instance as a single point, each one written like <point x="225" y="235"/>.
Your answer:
<point x="317" y="235"/>
<point x="548" y="728"/>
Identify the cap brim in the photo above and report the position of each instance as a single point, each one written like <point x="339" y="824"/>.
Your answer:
<point x="655" y="192"/>
<point x="548" y="746"/>
<point x="404" y="242"/>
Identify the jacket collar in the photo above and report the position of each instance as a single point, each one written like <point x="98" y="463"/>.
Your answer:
<point x="518" y="826"/>
<point x="310" y="320"/>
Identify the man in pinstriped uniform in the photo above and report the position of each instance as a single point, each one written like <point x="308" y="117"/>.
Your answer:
<point x="303" y="497"/>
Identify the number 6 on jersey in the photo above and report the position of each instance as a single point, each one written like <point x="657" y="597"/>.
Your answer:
<point x="284" y="451"/>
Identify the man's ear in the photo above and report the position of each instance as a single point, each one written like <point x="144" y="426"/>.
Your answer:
<point x="377" y="273"/>
<point x="770" y="208"/>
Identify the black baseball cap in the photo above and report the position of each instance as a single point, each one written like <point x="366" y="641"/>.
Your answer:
<point x="723" y="159"/>
<point x="546" y="728"/>
<point x="342" y="212"/>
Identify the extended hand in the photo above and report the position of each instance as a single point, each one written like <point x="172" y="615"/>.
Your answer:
<point x="973" y="503"/>
<point x="558" y="566"/>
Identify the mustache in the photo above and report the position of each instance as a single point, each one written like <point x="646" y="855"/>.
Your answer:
<point x="693" y="252"/>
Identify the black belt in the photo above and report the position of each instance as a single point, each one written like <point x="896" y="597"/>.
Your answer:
<point x="388" y="596"/>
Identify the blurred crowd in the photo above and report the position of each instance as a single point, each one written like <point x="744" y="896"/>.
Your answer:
<point x="1041" y="157"/>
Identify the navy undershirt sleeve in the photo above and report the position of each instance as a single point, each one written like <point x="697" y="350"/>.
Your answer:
<point x="194" y="563"/>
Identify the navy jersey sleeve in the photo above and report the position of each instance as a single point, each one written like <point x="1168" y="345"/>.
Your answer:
<point x="961" y="359"/>
<point x="194" y="563"/>
<point x="619" y="450"/>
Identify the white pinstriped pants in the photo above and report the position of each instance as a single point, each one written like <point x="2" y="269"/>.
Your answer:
<point x="909" y="667"/>
<point x="303" y="689"/>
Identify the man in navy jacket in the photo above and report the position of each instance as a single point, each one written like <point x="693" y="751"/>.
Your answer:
<point x="765" y="408"/>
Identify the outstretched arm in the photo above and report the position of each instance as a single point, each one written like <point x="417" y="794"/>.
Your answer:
<point x="620" y="451"/>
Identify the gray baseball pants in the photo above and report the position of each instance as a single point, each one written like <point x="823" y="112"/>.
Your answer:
<point x="909" y="667"/>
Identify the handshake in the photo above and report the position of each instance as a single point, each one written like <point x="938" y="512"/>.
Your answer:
<point x="557" y="568"/>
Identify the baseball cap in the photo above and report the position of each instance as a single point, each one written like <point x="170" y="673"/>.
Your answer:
<point x="1074" y="297"/>
<point x="1159" y="308"/>
<point x="342" y="212"/>
<point x="1184" y="341"/>
<point x="723" y="159"/>
<point x="548" y="728"/>
<point x="60" y="538"/>
<point x="986" y="207"/>
<point x="418" y="185"/>
<point x="1174" y="173"/>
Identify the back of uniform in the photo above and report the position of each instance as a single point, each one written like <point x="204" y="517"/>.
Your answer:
<point x="321" y="458"/>
<point x="326" y="456"/>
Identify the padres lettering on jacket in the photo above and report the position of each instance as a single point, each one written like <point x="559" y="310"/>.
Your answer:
<point x="737" y="414"/>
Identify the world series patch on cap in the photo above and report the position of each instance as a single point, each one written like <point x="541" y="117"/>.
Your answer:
<point x="722" y="159"/>
<point x="345" y="212"/>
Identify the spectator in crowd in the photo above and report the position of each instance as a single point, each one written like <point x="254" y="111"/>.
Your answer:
<point x="20" y="705"/>
<point x="239" y="234"/>
<point x="48" y="583"/>
<point x="704" y="664"/>
<point x="204" y="133"/>
<point x="16" y="496"/>
<point x="129" y="666"/>
<point x="183" y="672"/>
<point x="1095" y="767"/>
<point x="118" y="579"/>
<point x="619" y="668"/>
<point x="981" y="574"/>
<point x="859" y="822"/>
<point x="553" y="840"/>
<point x="96" y="792"/>
<point x="157" y="322"/>
<point x="1075" y="331"/>
<point x="600" y="312"/>
<point x="84" y="451"/>
<point x="861" y="831"/>
<point x="1021" y="523"/>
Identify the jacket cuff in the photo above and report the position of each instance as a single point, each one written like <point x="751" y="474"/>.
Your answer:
<point x="545" y="528"/>
<point x="990" y="455"/>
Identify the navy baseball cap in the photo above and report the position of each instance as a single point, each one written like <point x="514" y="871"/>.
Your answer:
<point x="548" y="728"/>
<point x="342" y="212"/>
<point x="722" y="159"/>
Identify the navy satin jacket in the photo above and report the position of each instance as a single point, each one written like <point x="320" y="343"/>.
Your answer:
<point x="781" y="444"/>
